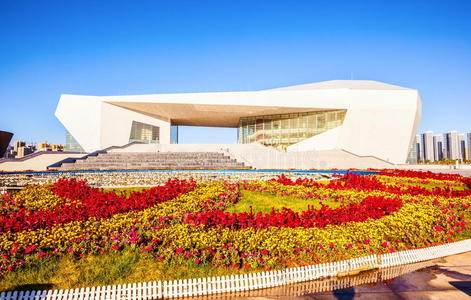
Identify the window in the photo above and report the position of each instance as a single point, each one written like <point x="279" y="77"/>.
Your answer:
<point x="287" y="129"/>
<point x="144" y="133"/>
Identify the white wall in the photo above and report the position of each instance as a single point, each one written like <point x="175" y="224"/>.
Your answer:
<point x="261" y="157"/>
<point x="81" y="116"/>
<point x="38" y="163"/>
<point x="116" y="125"/>
<point x="97" y="125"/>
<point x="327" y="140"/>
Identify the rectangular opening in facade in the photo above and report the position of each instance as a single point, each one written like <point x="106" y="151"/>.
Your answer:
<point x="144" y="133"/>
<point x="282" y="130"/>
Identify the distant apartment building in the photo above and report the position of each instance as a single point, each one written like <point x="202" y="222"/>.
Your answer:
<point x="445" y="147"/>
<point x="469" y="145"/>
<point x="452" y="145"/>
<point x="435" y="147"/>
<point x="18" y="144"/>
<point x="23" y="151"/>
<point x="20" y="149"/>
<point x="418" y="146"/>
<point x="462" y="146"/>
<point x="438" y="147"/>
<point x="45" y="146"/>
<point x="427" y="146"/>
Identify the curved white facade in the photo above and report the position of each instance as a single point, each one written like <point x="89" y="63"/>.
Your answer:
<point x="381" y="119"/>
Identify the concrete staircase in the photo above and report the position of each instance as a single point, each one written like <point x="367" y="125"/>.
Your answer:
<point x="154" y="160"/>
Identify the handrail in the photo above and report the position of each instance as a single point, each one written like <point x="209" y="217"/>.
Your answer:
<point x="35" y="154"/>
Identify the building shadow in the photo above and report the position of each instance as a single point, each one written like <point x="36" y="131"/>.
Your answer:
<point x="344" y="294"/>
<point x="464" y="286"/>
<point x="34" y="287"/>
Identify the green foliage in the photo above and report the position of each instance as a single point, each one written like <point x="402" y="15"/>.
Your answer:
<point x="126" y="190"/>
<point x="96" y="270"/>
<point x="264" y="202"/>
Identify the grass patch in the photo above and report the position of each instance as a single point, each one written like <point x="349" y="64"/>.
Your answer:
<point x="264" y="202"/>
<point x="425" y="183"/>
<point x="126" y="190"/>
<point x="108" y="269"/>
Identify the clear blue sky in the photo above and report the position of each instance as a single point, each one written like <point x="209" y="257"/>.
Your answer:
<point x="140" y="47"/>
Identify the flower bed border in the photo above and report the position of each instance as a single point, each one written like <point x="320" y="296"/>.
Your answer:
<point x="243" y="282"/>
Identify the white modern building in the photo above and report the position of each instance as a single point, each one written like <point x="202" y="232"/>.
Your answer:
<point x="365" y="118"/>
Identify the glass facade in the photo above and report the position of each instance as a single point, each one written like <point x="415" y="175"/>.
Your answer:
<point x="412" y="152"/>
<point x="174" y="135"/>
<point x="144" y="133"/>
<point x="71" y="143"/>
<point x="284" y="130"/>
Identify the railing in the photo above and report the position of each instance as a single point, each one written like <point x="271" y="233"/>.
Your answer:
<point x="244" y="282"/>
<point x="35" y="154"/>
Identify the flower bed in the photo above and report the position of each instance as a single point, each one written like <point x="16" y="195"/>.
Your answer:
<point x="185" y="222"/>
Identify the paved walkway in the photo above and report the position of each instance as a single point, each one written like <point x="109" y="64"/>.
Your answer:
<point x="447" y="278"/>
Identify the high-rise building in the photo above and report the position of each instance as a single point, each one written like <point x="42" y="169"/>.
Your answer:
<point x="452" y="145"/>
<point x="469" y="145"/>
<point x="462" y="146"/>
<point x="427" y="146"/>
<point x="418" y="147"/>
<point x="445" y="147"/>
<point x="438" y="147"/>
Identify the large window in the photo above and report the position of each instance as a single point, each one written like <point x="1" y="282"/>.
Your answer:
<point x="144" y="133"/>
<point x="71" y="143"/>
<point x="174" y="134"/>
<point x="287" y="129"/>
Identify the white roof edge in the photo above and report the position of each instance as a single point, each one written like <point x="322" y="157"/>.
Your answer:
<point x="322" y="85"/>
<point x="343" y="84"/>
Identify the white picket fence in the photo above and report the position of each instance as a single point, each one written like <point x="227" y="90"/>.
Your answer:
<point x="243" y="282"/>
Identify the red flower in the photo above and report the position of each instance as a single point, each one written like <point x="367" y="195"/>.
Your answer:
<point x="372" y="207"/>
<point x="116" y="247"/>
<point x="87" y="202"/>
<point x="147" y="249"/>
<point x="30" y="249"/>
